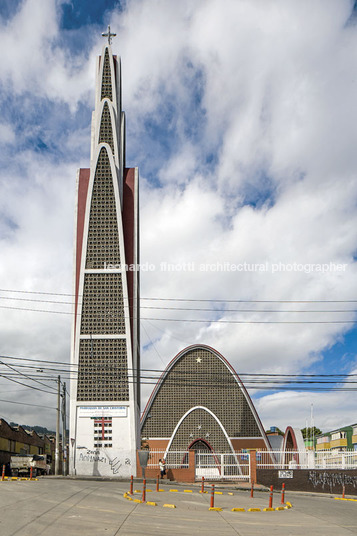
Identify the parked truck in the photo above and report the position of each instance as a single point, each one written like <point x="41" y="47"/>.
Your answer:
<point x="20" y="464"/>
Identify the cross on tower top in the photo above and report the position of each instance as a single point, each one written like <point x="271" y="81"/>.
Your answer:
<point x="109" y="35"/>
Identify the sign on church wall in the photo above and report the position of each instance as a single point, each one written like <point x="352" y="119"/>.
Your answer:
<point x="102" y="411"/>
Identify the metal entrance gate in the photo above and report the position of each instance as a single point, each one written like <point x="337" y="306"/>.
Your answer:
<point x="226" y="466"/>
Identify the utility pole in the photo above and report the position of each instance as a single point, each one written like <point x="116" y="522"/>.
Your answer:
<point x="57" y="458"/>
<point x="64" y="439"/>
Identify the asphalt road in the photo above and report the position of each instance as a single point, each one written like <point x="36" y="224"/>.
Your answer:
<point x="67" y="507"/>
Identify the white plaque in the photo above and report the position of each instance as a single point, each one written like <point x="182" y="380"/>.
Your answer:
<point x="102" y="411"/>
<point x="286" y="474"/>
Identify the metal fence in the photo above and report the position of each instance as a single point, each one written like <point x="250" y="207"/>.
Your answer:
<point x="213" y="466"/>
<point x="224" y="466"/>
<point x="236" y="466"/>
<point x="306" y="459"/>
<point x="173" y="459"/>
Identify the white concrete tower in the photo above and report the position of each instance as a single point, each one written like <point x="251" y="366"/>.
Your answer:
<point x="105" y="390"/>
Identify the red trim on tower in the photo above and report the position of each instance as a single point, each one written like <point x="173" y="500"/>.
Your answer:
<point x="83" y="182"/>
<point x="129" y="229"/>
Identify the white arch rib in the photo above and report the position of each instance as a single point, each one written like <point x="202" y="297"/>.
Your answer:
<point x="113" y="119"/>
<point x="240" y="384"/>
<point x="184" y="417"/>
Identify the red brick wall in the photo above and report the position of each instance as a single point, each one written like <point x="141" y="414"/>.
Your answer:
<point x="179" y="474"/>
<point x="158" y="444"/>
<point x="255" y="443"/>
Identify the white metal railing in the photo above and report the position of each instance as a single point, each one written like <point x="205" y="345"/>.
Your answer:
<point x="223" y="466"/>
<point x="236" y="466"/>
<point x="336" y="459"/>
<point x="213" y="466"/>
<point x="173" y="459"/>
<point x="306" y="459"/>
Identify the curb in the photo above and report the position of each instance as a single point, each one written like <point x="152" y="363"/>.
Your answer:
<point x="344" y="499"/>
<point x="287" y="505"/>
<point x="18" y="479"/>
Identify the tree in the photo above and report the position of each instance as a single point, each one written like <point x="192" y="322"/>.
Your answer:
<point x="307" y="433"/>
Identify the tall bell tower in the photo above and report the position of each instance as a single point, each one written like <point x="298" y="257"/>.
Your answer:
<point x="105" y="356"/>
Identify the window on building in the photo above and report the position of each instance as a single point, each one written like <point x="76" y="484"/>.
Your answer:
<point x="338" y="435"/>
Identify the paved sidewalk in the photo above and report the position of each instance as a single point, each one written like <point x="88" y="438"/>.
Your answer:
<point x="93" y="508"/>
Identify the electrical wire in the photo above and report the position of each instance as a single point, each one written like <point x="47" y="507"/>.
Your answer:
<point x="24" y="384"/>
<point x="26" y="376"/>
<point x="26" y="404"/>
<point x="195" y="320"/>
<point x="35" y="360"/>
<point x="213" y="383"/>
<point x="197" y="309"/>
<point x="159" y="372"/>
<point x="196" y="300"/>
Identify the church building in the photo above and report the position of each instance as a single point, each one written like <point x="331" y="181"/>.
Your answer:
<point x="200" y="404"/>
<point x="105" y="396"/>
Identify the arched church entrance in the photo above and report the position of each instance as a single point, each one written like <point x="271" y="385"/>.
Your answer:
<point x="207" y="463"/>
<point x="200" y="445"/>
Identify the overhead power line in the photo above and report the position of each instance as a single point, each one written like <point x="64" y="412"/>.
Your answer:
<point x="267" y="382"/>
<point x="35" y="292"/>
<point x="35" y="360"/>
<point x="198" y="309"/>
<point x="26" y="404"/>
<point x="25" y="384"/>
<point x="196" y="300"/>
<point x="26" y="376"/>
<point x="196" y="320"/>
<point x="159" y="372"/>
<point x="247" y="301"/>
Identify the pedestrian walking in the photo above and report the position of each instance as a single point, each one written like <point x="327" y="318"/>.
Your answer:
<point x="162" y="466"/>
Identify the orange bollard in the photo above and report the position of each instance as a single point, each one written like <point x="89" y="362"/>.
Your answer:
<point x="131" y="484"/>
<point x="30" y="473"/>
<point x="144" y="491"/>
<point x="283" y="494"/>
<point x="157" y="482"/>
<point x="203" y="485"/>
<point x="212" y="497"/>
<point x="3" y="472"/>
<point x="252" y="490"/>
<point x="271" y="497"/>
<point x="343" y="491"/>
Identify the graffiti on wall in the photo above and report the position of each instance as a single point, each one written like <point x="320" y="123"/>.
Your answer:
<point x="97" y="462"/>
<point x="324" y="479"/>
<point x="116" y="464"/>
<point x="92" y="456"/>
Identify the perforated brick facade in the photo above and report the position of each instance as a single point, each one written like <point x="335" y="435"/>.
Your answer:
<point x="105" y="349"/>
<point x="202" y="398"/>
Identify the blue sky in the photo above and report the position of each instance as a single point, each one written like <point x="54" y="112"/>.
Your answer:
<point x="242" y="122"/>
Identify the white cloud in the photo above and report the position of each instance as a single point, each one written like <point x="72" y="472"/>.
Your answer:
<point x="328" y="410"/>
<point x="33" y="62"/>
<point x="242" y="123"/>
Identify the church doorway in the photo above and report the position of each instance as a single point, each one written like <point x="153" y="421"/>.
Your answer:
<point x="200" y="445"/>
<point x="206" y="461"/>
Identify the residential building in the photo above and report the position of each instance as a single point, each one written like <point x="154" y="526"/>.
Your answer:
<point x="344" y="438"/>
<point x="17" y="440"/>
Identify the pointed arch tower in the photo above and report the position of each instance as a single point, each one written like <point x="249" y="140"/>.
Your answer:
<point x="105" y="394"/>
